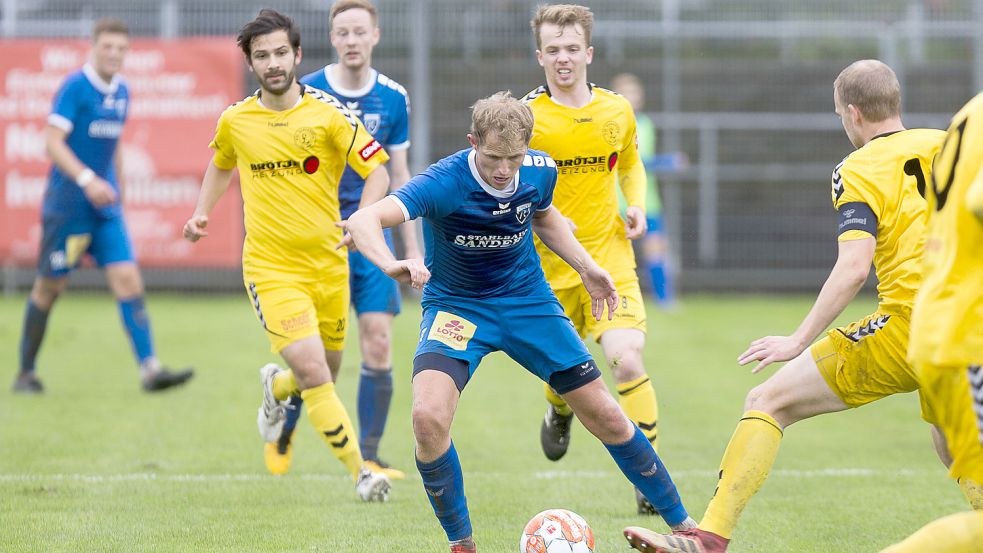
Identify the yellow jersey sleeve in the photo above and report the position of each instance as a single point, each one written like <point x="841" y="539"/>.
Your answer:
<point x="222" y="143"/>
<point x="855" y="200"/>
<point x="631" y="170"/>
<point x="974" y="196"/>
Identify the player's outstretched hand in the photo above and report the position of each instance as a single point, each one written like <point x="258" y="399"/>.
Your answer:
<point x="194" y="229"/>
<point x="100" y="193"/>
<point x="411" y="271"/>
<point x="771" y="349"/>
<point x="635" y="223"/>
<point x="346" y="238"/>
<point x="600" y="286"/>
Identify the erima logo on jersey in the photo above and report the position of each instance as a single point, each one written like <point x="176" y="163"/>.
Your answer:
<point x="369" y="150"/>
<point x="103" y="128"/>
<point x="502" y="209"/>
<point x="491" y="241"/>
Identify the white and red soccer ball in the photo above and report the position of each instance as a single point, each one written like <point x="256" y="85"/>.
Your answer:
<point x="557" y="531"/>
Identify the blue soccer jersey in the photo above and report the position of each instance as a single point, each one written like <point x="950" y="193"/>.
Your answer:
<point x="478" y="239"/>
<point x="383" y="106"/>
<point x="91" y="112"/>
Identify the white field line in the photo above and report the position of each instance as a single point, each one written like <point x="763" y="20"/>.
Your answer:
<point x="841" y="472"/>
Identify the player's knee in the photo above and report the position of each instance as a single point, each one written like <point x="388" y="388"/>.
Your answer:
<point x="763" y="398"/>
<point x="429" y="425"/>
<point x="46" y="290"/>
<point x="376" y="348"/>
<point x="626" y="365"/>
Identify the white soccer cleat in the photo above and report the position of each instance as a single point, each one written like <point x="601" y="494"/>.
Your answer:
<point x="372" y="486"/>
<point x="272" y="413"/>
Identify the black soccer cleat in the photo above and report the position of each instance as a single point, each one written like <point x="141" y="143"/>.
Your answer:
<point x="27" y="383"/>
<point x="164" y="379"/>
<point x="554" y="435"/>
<point x="645" y="507"/>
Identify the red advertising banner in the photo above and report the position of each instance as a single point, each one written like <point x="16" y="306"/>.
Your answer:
<point x="178" y="89"/>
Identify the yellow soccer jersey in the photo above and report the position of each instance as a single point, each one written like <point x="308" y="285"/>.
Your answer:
<point x="878" y="191"/>
<point x="947" y="321"/>
<point x="593" y="147"/>
<point x="289" y="164"/>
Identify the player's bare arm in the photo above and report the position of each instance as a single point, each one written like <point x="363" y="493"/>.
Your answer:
<point x="399" y="174"/>
<point x="847" y="277"/>
<point x="552" y="228"/>
<point x="376" y="187"/>
<point x="96" y="189"/>
<point x="364" y="230"/>
<point x="213" y="186"/>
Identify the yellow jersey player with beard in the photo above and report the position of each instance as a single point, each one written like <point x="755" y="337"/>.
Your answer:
<point x="290" y="144"/>
<point x="946" y="345"/>
<point x="590" y="132"/>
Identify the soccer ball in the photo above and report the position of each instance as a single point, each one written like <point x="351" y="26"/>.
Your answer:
<point x="557" y="531"/>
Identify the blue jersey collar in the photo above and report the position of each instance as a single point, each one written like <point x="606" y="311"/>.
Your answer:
<point x="494" y="192"/>
<point x="347" y="92"/>
<point x="96" y="81"/>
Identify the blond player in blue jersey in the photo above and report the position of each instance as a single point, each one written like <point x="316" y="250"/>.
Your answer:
<point x="290" y="144"/>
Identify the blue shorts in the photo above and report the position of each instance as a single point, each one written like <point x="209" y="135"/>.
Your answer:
<point x="371" y="290"/>
<point x="65" y="240"/>
<point x="533" y="331"/>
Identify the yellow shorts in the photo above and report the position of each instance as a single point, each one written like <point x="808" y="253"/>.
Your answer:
<point x="952" y="399"/>
<point x="865" y="361"/>
<point x="576" y="304"/>
<point x="292" y="310"/>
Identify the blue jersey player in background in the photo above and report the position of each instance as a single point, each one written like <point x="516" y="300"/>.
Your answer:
<point x="82" y="209"/>
<point x="483" y="288"/>
<point x="383" y="106"/>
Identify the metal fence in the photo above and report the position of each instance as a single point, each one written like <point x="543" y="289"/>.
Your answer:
<point x="743" y="88"/>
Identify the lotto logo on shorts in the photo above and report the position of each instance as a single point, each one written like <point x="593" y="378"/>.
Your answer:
<point x="369" y="150"/>
<point x="451" y="330"/>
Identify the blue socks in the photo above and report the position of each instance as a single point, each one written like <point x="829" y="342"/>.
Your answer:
<point x="375" y="393"/>
<point x="137" y="325"/>
<point x="293" y="415"/>
<point x="638" y="461"/>
<point x="444" y="483"/>
<point x="35" y="323"/>
<point x="661" y="281"/>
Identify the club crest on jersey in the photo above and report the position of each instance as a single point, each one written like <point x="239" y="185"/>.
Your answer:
<point x="611" y="133"/>
<point x="372" y="121"/>
<point x="522" y="212"/>
<point x="305" y="138"/>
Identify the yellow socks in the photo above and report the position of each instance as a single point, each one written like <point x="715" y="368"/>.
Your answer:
<point x="285" y="385"/>
<point x="329" y="417"/>
<point x="973" y="492"/>
<point x="557" y="402"/>
<point x="745" y="466"/>
<point x="637" y="399"/>
<point x="959" y="533"/>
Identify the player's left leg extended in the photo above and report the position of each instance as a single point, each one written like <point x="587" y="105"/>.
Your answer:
<point x="971" y="489"/>
<point x="628" y="446"/>
<point x="435" y="398"/>
<point x="127" y="286"/>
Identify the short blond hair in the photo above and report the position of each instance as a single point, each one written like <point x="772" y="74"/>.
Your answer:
<point x="562" y="15"/>
<point x="872" y="87"/>
<point x="109" y="25"/>
<point x="503" y="115"/>
<point x="345" y="5"/>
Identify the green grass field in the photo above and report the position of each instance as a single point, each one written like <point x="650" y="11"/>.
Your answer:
<point x="97" y="465"/>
